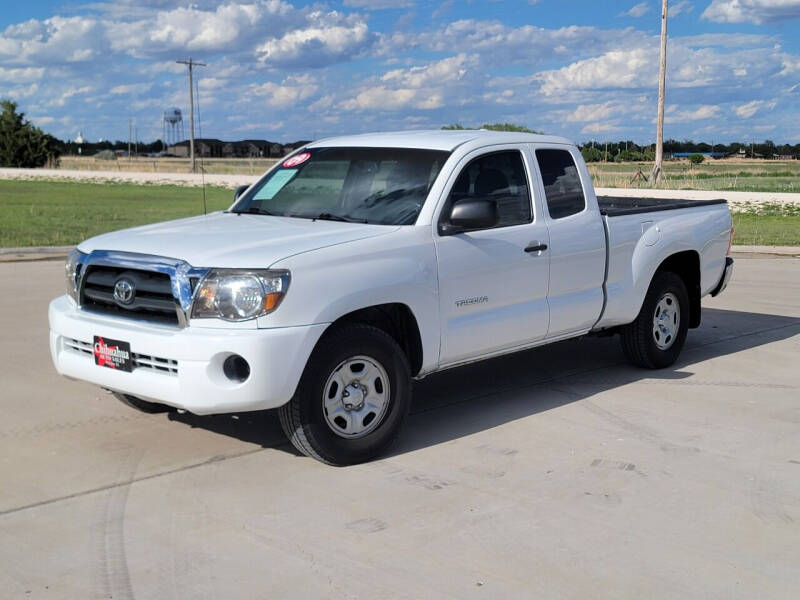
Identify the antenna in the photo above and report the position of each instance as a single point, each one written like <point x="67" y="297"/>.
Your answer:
<point x="202" y="165"/>
<point x="191" y="64"/>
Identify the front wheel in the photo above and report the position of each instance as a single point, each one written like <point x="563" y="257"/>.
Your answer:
<point x="655" y="339"/>
<point x="352" y="399"/>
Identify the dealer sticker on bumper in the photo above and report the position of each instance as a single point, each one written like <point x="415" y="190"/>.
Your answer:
<point x="113" y="354"/>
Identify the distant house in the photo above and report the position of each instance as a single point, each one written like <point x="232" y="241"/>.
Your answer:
<point x="209" y="147"/>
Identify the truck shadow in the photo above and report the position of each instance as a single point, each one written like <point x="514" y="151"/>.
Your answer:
<point x="473" y="398"/>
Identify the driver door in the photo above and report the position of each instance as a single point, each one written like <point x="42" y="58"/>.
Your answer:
<point x="493" y="282"/>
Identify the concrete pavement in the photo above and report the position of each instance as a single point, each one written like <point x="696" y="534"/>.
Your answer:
<point x="559" y="472"/>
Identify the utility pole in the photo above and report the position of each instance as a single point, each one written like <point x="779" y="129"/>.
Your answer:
<point x="662" y="83"/>
<point x="130" y="125"/>
<point x="191" y="64"/>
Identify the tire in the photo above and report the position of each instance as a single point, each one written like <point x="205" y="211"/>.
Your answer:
<point x="317" y="419"/>
<point x="142" y="405"/>
<point x="654" y="340"/>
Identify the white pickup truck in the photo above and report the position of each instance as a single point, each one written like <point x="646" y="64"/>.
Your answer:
<point x="360" y="263"/>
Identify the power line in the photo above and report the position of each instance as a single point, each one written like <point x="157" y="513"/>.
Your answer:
<point x="191" y="64"/>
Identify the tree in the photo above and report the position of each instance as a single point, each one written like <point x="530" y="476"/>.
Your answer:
<point x="696" y="159"/>
<point x="21" y="143"/>
<point x="591" y="154"/>
<point x="507" y="127"/>
<point x="493" y="127"/>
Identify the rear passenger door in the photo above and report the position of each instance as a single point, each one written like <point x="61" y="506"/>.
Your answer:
<point x="492" y="285"/>
<point x="577" y="240"/>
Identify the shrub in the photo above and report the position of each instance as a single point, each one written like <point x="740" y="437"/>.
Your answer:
<point x="105" y="155"/>
<point x="696" y="159"/>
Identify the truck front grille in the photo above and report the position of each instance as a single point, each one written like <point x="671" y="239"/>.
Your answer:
<point x="168" y="366"/>
<point x="152" y="301"/>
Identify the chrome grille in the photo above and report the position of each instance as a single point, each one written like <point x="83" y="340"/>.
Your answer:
<point x="153" y="300"/>
<point x="140" y="361"/>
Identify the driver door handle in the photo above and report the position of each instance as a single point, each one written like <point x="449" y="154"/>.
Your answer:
<point x="536" y="248"/>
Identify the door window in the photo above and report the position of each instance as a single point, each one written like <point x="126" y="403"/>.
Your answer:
<point x="562" y="183"/>
<point x="500" y="177"/>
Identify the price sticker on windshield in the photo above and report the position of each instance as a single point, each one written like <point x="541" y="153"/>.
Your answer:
<point x="297" y="159"/>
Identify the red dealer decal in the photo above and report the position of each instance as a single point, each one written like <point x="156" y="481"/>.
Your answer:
<point x="298" y="159"/>
<point x="112" y="354"/>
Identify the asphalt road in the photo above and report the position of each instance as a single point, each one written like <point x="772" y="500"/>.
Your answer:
<point x="560" y="472"/>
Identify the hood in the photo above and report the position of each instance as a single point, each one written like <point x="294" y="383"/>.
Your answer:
<point x="226" y="240"/>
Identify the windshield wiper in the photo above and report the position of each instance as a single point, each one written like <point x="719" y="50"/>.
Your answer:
<point x="332" y="217"/>
<point x="254" y="210"/>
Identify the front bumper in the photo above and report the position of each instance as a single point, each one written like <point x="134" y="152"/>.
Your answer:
<point x="183" y="367"/>
<point x="726" y="277"/>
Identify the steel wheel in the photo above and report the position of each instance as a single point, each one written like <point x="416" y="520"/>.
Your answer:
<point x="355" y="397"/>
<point x="666" y="321"/>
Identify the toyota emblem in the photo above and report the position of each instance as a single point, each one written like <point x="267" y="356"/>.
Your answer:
<point x="124" y="291"/>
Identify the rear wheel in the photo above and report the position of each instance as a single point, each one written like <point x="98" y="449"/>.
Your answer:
<point x="142" y="405"/>
<point x="655" y="339"/>
<point x="352" y="399"/>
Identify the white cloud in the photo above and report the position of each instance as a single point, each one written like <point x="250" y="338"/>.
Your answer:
<point x="746" y="111"/>
<point x="56" y="40"/>
<point x="289" y="92"/>
<point x="751" y="11"/>
<point x="130" y="89"/>
<point x="69" y="93"/>
<point x="21" y="75"/>
<point x="330" y="37"/>
<point x="615" y="69"/>
<point x="684" y="6"/>
<point x="601" y="127"/>
<point x="438" y="73"/>
<point x="637" y="68"/>
<point x="595" y="112"/>
<point x="379" y="4"/>
<point x="636" y="11"/>
<point x="424" y="87"/>
<point x="706" y="111"/>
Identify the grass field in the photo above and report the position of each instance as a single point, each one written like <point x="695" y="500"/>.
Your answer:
<point x="44" y="213"/>
<point x="768" y="225"/>
<point x="725" y="175"/>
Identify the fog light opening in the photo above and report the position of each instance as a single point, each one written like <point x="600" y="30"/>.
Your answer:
<point x="236" y="368"/>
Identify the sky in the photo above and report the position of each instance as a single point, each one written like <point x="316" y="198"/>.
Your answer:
<point x="288" y="70"/>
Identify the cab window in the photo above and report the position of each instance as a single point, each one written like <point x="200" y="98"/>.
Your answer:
<point x="501" y="177"/>
<point x="562" y="183"/>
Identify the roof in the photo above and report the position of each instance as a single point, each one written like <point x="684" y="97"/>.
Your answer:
<point x="437" y="139"/>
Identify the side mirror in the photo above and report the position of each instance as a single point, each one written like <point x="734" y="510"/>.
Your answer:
<point x="469" y="214"/>
<point x="239" y="191"/>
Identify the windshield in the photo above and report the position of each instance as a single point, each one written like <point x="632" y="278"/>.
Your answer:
<point x="386" y="186"/>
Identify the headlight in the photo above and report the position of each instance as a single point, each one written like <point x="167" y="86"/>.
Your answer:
<point x="238" y="295"/>
<point x="72" y="271"/>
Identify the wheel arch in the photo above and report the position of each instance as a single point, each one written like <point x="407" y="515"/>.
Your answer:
<point x="686" y="265"/>
<point x="395" y="319"/>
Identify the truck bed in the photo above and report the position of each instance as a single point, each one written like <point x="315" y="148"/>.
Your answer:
<point x="614" y="206"/>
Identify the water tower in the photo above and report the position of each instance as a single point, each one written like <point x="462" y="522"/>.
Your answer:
<point x="173" y="127"/>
